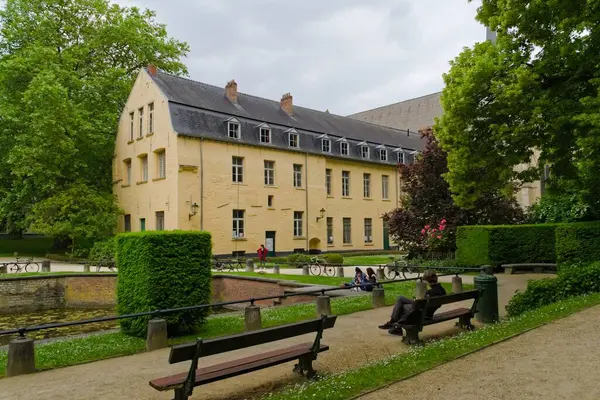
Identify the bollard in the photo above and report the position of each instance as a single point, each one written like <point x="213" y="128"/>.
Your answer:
<point x="249" y="265"/>
<point x="3" y="269"/>
<point x="305" y="270"/>
<point x="86" y="268"/>
<point x="323" y="305"/>
<point x="457" y="285"/>
<point x="380" y="274"/>
<point x="252" y="320"/>
<point x="488" y="269"/>
<point x="276" y="269"/>
<point x="46" y="266"/>
<point x="156" y="337"/>
<point x="21" y="357"/>
<point x="488" y="302"/>
<point x="340" y="272"/>
<point x="378" y="297"/>
<point x="421" y="289"/>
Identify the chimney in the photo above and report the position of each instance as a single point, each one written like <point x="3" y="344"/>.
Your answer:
<point x="427" y="131"/>
<point x="152" y="70"/>
<point x="231" y="91"/>
<point x="287" y="104"/>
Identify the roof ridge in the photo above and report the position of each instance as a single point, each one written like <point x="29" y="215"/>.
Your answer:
<point x="393" y="104"/>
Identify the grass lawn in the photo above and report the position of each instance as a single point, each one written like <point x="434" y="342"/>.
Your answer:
<point x="400" y="366"/>
<point x="368" y="260"/>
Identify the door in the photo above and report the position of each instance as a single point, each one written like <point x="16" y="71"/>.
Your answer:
<point x="386" y="236"/>
<point x="270" y="243"/>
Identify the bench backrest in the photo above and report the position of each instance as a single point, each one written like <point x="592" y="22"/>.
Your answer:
<point x="185" y="352"/>
<point x="438" y="301"/>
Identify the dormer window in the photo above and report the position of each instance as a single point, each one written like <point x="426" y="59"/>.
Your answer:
<point x="364" y="150"/>
<point x="344" y="149"/>
<point x="233" y="129"/>
<point x="265" y="133"/>
<point x="293" y="138"/>
<point x="399" y="155"/>
<point x="383" y="154"/>
<point x="325" y="144"/>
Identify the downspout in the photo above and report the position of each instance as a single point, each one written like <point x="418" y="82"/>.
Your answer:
<point x="201" y="186"/>
<point x="306" y="199"/>
<point x="397" y="188"/>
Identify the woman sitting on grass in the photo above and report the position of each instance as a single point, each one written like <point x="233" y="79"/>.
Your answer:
<point x="360" y="278"/>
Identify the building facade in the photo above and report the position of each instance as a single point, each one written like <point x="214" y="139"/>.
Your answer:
<point x="252" y="171"/>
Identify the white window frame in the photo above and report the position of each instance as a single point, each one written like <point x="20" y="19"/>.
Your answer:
<point x="161" y="163"/>
<point x="329" y="230"/>
<point x="131" y="126"/>
<point x="325" y="144"/>
<point x="344" y="148"/>
<point x="160" y="216"/>
<point x="297" y="175"/>
<point x="328" y="182"/>
<point x="237" y="170"/>
<point x="367" y="185"/>
<point x="144" y="167"/>
<point x="264" y="132"/>
<point x="151" y="118"/>
<point x="128" y="169"/>
<point x="141" y="122"/>
<point x="345" y="183"/>
<point x="238" y="218"/>
<point x="364" y="147"/>
<point x="234" y="126"/>
<point x="368" y="232"/>
<point x="298" y="224"/>
<point x="292" y="133"/>
<point x="400" y="158"/>
<point x="383" y="154"/>
<point x="385" y="187"/>
<point x="269" y="167"/>
<point x="347" y="234"/>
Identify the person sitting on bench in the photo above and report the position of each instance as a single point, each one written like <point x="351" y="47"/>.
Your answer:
<point x="404" y="306"/>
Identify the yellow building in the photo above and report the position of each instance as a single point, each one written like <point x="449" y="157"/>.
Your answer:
<point x="253" y="171"/>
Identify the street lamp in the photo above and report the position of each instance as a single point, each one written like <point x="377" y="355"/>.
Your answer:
<point x="322" y="211"/>
<point x="195" y="208"/>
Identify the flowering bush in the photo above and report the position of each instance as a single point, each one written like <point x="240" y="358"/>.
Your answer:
<point x="436" y="238"/>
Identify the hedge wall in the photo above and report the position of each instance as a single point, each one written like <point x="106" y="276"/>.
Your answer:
<point x="505" y="244"/>
<point x="27" y="246"/>
<point x="159" y="270"/>
<point x="578" y="242"/>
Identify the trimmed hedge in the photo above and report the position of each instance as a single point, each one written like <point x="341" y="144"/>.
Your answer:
<point x="160" y="270"/>
<point x="505" y="244"/>
<point x="333" y="258"/>
<point x="578" y="242"/>
<point x="27" y="246"/>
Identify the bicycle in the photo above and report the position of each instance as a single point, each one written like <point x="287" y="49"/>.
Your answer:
<point x="317" y="269"/>
<point x="401" y="266"/>
<point x="27" y="265"/>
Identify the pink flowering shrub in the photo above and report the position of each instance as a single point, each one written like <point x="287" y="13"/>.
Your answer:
<point x="436" y="238"/>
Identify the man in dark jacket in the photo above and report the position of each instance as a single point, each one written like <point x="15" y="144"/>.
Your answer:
<point x="404" y="306"/>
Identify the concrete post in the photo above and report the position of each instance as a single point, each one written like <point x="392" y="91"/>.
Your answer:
<point x="457" y="284"/>
<point x="380" y="274"/>
<point x="305" y="270"/>
<point x="378" y="297"/>
<point x="323" y="305"/>
<point x="21" y="357"/>
<point x="421" y="289"/>
<point x="340" y="272"/>
<point x="3" y="269"/>
<point x="86" y="268"/>
<point x="252" y="320"/>
<point x="46" y="266"/>
<point x="276" y="269"/>
<point x="249" y="265"/>
<point x="157" y="335"/>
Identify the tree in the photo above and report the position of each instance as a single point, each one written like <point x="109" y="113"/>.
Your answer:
<point x="66" y="70"/>
<point x="428" y="204"/>
<point x="78" y="213"/>
<point x="535" y="90"/>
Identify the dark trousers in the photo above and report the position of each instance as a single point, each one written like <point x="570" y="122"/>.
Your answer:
<point x="402" y="308"/>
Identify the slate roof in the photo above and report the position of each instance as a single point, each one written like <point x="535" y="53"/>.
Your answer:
<point x="413" y="114"/>
<point x="201" y="110"/>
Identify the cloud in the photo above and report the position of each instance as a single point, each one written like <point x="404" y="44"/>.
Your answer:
<point x="343" y="55"/>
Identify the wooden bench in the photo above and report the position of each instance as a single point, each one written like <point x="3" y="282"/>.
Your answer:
<point x="306" y="353"/>
<point x="417" y="319"/>
<point x="538" y="268"/>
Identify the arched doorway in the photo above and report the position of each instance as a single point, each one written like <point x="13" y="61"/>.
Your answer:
<point x="314" y="246"/>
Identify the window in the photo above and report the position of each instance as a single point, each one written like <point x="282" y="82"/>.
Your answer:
<point x="367" y="185"/>
<point x="401" y="157"/>
<point x="150" y="118"/>
<point x="237" y="169"/>
<point x="233" y="129"/>
<point x="142" y="224"/>
<point x="269" y="173"/>
<point x="160" y="220"/>
<point x="329" y="230"/>
<point x="368" y="230"/>
<point x="328" y="181"/>
<point x="294" y="139"/>
<point x="326" y="145"/>
<point x="131" y="125"/>
<point x="297" y="175"/>
<point x="344" y="148"/>
<point x="383" y="154"/>
<point x="128" y="171"/>
<point x="265" y="135"/>
<point x="141" y="122"/>
<point x="238" y="224"/>
<point x="298" y="216"/>
<point x="144" y="168"/>
<point x="345" y="183"/>
<point x="270" y="201"/>
<point x="162" y="164"/>
<point x="385" y="180"/>
<point x="364" y="151"/>
<point x="347" y="231"/>
<point x="127" y="223"/>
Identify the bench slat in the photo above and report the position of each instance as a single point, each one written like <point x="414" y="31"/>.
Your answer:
<point x="441" y="317"/>
<point x="241" y="366"/>
<point x="448" y="299"/>
<point x="185" y="352"/>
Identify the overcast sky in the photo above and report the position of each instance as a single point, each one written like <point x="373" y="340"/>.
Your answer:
<point x="343" y="55"/>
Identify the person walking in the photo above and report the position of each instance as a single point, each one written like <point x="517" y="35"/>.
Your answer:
<point x="262" y="256"/>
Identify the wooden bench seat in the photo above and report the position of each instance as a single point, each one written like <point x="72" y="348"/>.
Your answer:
<point x="184" y="383"/>
<point x="538" y="268"/>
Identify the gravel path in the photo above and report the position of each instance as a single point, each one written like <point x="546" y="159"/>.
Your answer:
<point x="555" y="362"/>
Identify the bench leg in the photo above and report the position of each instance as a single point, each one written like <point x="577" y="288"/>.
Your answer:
<point x="412" y="336"/>
<point x="180" y="394"/>
<point x="305" y="365"/>
<point x="465" y="322"/>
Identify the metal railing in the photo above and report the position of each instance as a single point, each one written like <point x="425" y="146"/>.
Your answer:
<point x="156" y="313"/>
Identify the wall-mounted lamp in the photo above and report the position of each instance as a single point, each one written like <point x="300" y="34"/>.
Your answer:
<point x="195" y="208"/>
<point x="322" y="211"/>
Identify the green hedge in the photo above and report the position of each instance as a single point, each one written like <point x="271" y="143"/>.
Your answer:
<point x="505" y="244"/>
<point x="104" y="250"/>
<point x="160" y="270"/>
<point x="333" y="258"/>
<point x="578" y="242"/>
<point x="27" y="246"/>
